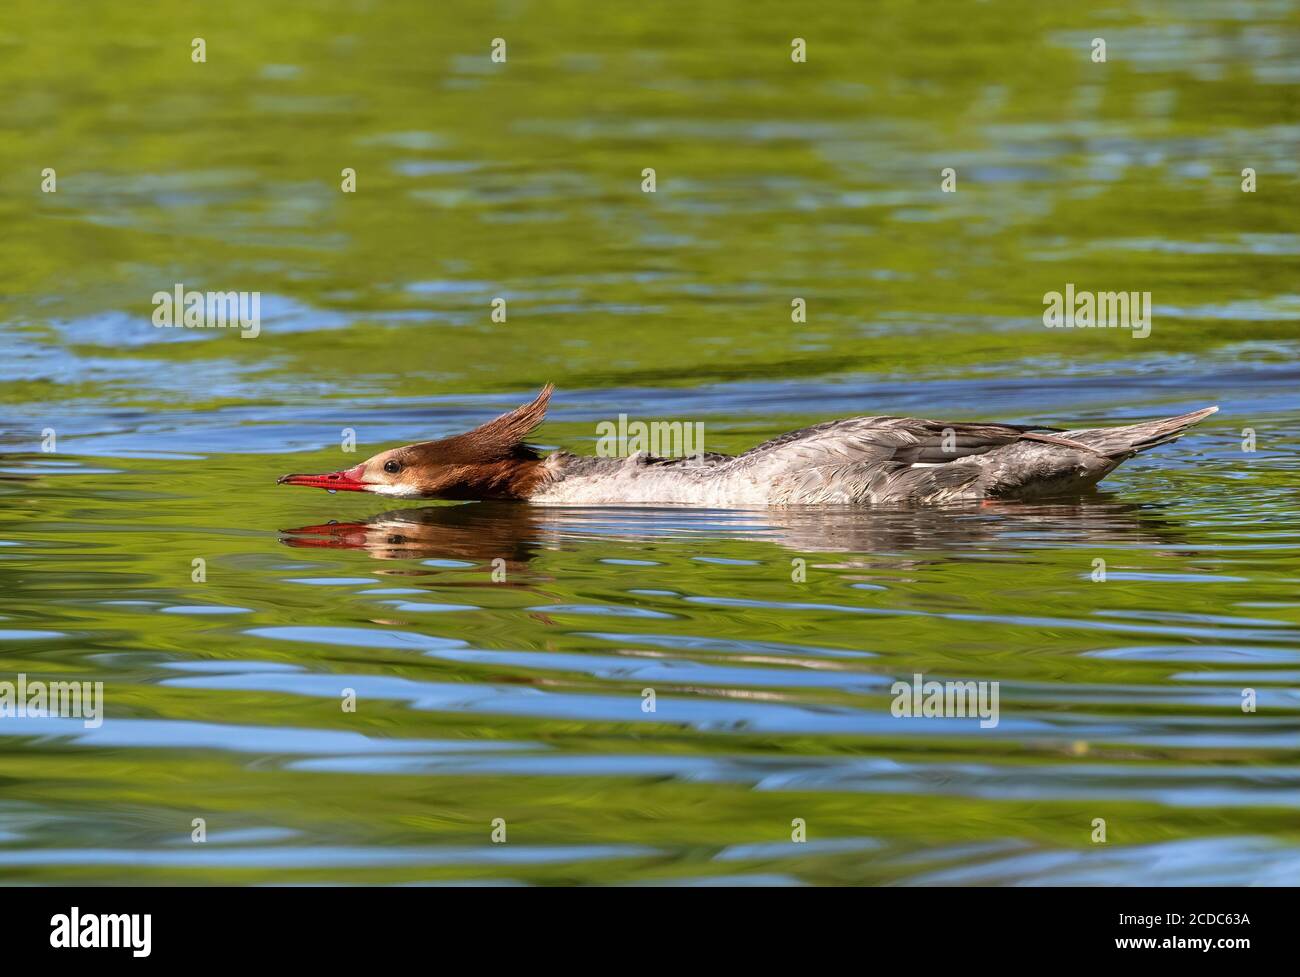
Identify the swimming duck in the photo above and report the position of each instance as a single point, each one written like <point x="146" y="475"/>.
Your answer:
<point x="878" y="460"/>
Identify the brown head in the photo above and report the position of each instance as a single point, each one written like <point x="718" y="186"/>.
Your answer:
<point x="490" y="462"/>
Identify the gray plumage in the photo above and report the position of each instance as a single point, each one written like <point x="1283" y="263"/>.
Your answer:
<point x="866" y="461"/>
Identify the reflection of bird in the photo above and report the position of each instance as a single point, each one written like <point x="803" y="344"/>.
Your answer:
<point x="857" y="461"/>
<point x="466" y="532"/>
<point x="1100" y="522"/>
<point x="517" y="533"/>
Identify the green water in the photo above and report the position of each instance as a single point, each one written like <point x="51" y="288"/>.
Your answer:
<point x="498" y="655"/>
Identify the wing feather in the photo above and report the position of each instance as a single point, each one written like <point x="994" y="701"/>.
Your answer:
<point x="880" y="440"/>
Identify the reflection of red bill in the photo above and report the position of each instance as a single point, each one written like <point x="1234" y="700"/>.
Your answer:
<point x="335" y="535"/>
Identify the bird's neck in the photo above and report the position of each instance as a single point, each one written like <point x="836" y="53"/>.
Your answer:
<point x="481" y="481"/>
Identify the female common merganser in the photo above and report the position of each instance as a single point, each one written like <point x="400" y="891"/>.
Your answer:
<point x="856" y="461"/>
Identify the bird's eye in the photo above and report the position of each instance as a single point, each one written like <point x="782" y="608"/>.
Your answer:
<point x="392" y="467"/>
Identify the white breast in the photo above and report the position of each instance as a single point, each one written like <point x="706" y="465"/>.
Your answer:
<point x="635" y="483"/>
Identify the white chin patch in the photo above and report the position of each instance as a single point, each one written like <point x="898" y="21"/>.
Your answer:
<point x="399" y="491"/>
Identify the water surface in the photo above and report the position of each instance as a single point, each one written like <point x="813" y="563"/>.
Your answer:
<point x="499" y="655"/>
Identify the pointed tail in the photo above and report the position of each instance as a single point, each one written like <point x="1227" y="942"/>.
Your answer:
<point x="1124" y="442"/>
